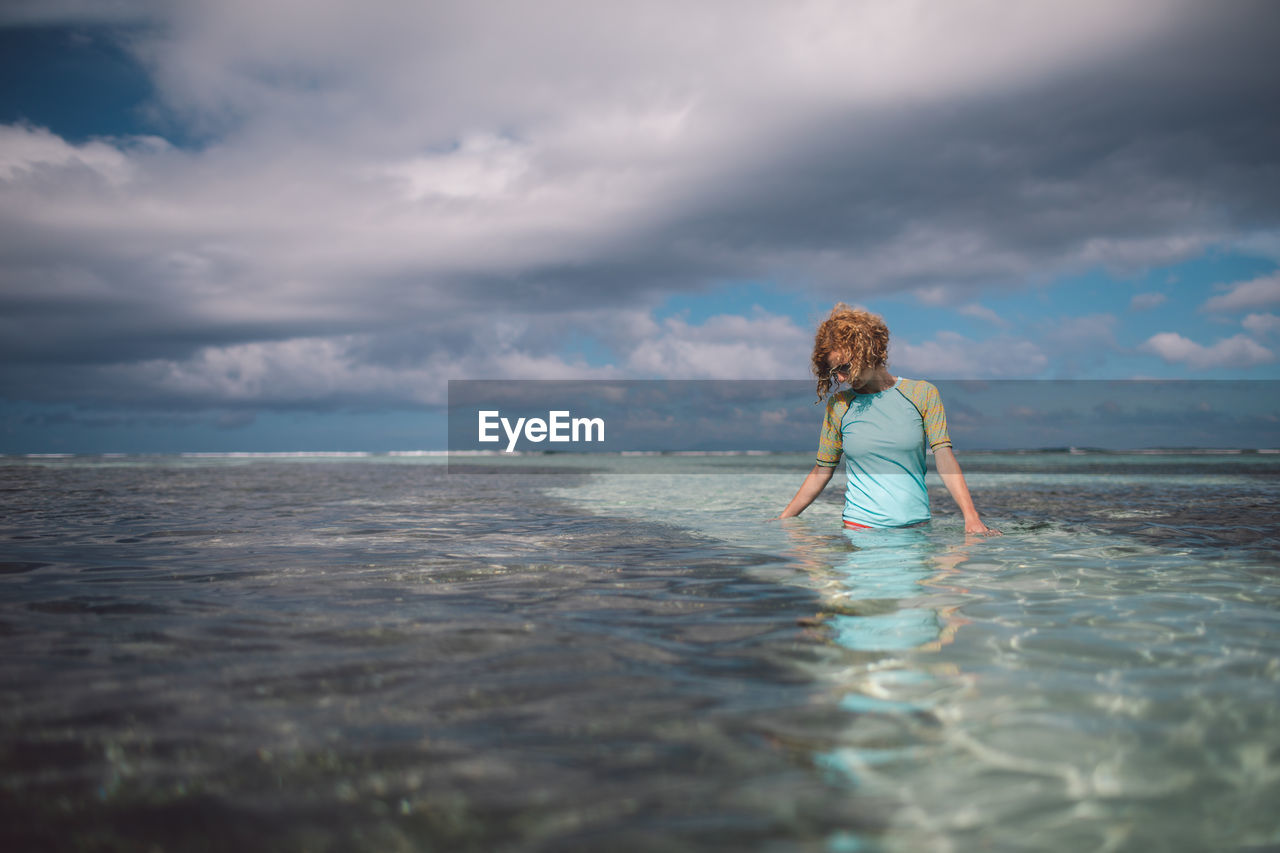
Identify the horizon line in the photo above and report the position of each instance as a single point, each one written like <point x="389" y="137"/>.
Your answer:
<point x="357" y="454"/>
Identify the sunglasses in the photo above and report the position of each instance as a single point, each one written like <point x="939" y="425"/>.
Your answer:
<point x="841" y="369"/>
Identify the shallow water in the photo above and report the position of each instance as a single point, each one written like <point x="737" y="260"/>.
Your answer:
<point x="383" y="653"/>
<point x="1103" y="676"/>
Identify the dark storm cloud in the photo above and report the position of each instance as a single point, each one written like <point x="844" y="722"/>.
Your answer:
<point x="1145" y="159"/>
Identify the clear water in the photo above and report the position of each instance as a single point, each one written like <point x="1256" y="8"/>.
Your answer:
<point x="381" y="653"/>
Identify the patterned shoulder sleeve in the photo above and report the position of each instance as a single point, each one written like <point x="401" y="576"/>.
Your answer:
<point x="830" y="443"/>
<point x="924" y="396"/>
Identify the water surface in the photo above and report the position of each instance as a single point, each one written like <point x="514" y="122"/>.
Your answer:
<point x="385" y="653"/>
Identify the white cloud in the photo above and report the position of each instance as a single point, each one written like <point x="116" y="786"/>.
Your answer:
<point x="307" y="371"/>
<point x="761" y="346"/>
<point x="27" y="151"/>
<point x="483" y="166"/>
<point x="1146" y="301"/>
<point x="953" y="356"/>
<point x="982" y="312"/>
<point x="474" y="63"/>
<point x="1255" y="293"/>
<point x="1261" y="325"/>
<point x="330" y="372"/>
<point x="936" y="295"/>
<point x="1238" y="351"/>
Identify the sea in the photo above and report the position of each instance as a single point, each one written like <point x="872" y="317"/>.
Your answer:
<point x="560" y="652"/>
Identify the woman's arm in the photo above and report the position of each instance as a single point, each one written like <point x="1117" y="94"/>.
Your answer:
<point x="809" y="490"/>
<point x="953" y="479"/>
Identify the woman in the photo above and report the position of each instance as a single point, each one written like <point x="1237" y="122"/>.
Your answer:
<point x="880" y="424"/>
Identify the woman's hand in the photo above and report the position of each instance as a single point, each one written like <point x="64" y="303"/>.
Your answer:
<point x="975" y="527"/>
<point x="953" y="479"/>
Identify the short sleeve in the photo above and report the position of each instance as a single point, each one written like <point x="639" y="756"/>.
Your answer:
<point x="830" y="442"/>
<point x="924" y="396"/>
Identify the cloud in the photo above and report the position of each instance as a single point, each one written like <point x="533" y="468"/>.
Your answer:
<point x="29" y="153"/>
<point x="377" y="198"/>
<point x="531" y="63"/>
<point x="1075" y="345"/>
<point x="762" y="346"/>
<point x="1088" y="331"/>
<point x="982" y="312"/>
<point x="1255" y="293"/>
<point x="952" y="356"/>
<point x="1146" y="301"/>
<point x="1238" y="351"/>
<point x="50" y="12"/>
<point x="1261" y="325"/>
<point x="1068" y="345"/>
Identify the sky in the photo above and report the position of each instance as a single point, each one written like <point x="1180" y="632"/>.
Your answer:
<point x="279" y="225"/>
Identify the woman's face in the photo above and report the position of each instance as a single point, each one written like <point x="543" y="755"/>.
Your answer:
<point x="838" y="363"/>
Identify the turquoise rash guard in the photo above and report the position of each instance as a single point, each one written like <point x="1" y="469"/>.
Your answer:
<point x="882" y="437"/>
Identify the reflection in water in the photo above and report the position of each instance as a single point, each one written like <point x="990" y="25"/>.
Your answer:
<point x="884" y="612"/>
<point x="893" y="597"/>
<point x="883" y="596"/>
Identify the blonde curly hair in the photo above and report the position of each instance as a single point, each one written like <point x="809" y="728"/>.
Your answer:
<point x="857" y="337"/>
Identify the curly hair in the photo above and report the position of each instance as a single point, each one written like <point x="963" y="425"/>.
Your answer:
<point x="859" y="337"/>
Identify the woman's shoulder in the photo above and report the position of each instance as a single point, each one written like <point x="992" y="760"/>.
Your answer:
<point x="918" y="391"/>
<point x="914" y="386"/>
